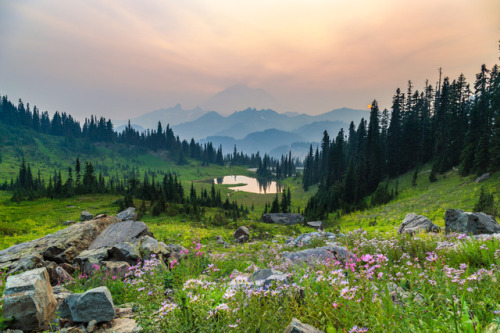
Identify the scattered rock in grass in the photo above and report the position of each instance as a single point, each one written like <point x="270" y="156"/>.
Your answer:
<point x="414" y="223"/>
<point x="241" y="232"/>
<point x="94" y="304"/>
<point x="283" y="218"/>
<point x="482" y="178"/>
<point x="86" y="216"/>
<point x="311" y="256"/>
<point x="69" y="222"/>
<point x="459" y="221"/>
<point x="29" y="298"/>
<point x="305" y="239"/>
<point x="266" y="277"/>
<point x="316" y="225"/>
<point x="296" y="326"/>
<point x="128" y="214"/>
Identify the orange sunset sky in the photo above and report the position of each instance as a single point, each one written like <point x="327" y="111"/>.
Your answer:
<point x="123" y="58"/>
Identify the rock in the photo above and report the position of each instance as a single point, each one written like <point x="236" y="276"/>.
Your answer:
<point x="459" y="221"/>
<point x="315" y="224"/>
<point x="283" y="218"/>
<point x="70" y="269"/>
<point x="296" y="326"/>
<point x="60" y="293"/>
<point x="86" y="216"/>
<point x="57" y="274"/>
<point x="62" y="246"/>
<point x="116" y="267"/>
<point x="100" y="216"/>
<point x="310" y="256"/>
<point x="149" y="245"/>
<point x="90" y="260"/>
<point x="127" y="231"/>
<point x="483" y="177"/>
<point x="69" y="222"/>
<point x="94" y="304"/>
<point x="29" y="298"/>
<point x="176" y="251"/>
<point x="128" y="214"/>
<point x="241" y="231"/>
<point x="305" y="239"/>
<point x="414" y="223"/>
<point x="91" y="326"/>
<point x="266" y="277"/>
<point x="242" y="239"/>
<point x="126" y="251"/>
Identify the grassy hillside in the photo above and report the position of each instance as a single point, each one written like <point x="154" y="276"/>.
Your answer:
<point x="426" y="198"/>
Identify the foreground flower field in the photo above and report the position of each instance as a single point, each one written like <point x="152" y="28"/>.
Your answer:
<point x="397" y="283"/>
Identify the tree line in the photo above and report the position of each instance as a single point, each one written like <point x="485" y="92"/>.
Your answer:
<point x="449" y="125"/>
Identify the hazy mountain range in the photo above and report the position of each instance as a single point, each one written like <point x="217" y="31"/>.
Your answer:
<point x="251" y="129"/>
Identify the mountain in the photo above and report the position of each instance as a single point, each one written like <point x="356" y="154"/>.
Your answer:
<point x="239" y="97"/>
<point x="121" y="128"/>
<point x="344" y="114"/>
<point x="313" y="132"/>
<point x="263" y="141"/>
<point x="172" y="116"/>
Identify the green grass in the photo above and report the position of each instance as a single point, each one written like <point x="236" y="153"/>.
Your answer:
<point x="428" y="199"/>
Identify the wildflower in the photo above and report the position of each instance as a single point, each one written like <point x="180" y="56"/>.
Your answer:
<point x="432" y="256"/>
<point x="366" y="257"/>
<point x="462" y="236"/>
<point x="356" y="329"/>
<point x="335" y="305"/>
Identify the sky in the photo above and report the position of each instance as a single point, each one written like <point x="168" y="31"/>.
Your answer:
<point x="123" y="58"/>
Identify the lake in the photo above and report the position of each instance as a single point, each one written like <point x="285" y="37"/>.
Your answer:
<point x="249" y="184"/>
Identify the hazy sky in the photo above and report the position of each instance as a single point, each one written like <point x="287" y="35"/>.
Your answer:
<point x="123" y="58"/>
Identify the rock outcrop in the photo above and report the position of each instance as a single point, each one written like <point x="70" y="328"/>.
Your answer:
<point x="315" y="224"/>
<point x="311" y="256"/>
<point x="61" y="247"/>
<point x="283" y="218"/>
<point x="414" y="223"/>
<point x="127" y="231"/>
<point x="459" y="221"/>
<point x="94" y="304"/>
<point x="30" y="300"/>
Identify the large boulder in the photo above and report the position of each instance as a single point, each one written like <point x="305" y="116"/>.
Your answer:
<point x="296" y="326"/>
<point x="94" y="304"/>
<point x="414" y="223"/>
<point x="127" y="231"/>
<point x="90" y="260"/>
<point x="126" y="251"/>
<point x="61" y="247"/>
<point x="283" y="218"/>
<point x="127" y="215"/>
<point x="459" y="221"/>
<point x="30" y="300"/>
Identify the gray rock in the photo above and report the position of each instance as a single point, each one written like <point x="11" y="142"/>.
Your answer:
<point x="266" y="277"/>
<point x="149" y="245"/>
<point x="86" y="216"/>
<point x="95" y="304"/>
<point x="241" y="231"/>
<point x="315" y="224"/>
<point x="459" y="221"/>
<point x="69" y="222"/>
<point x="414" y="223"/>
<point x="483" y="177"/>
<point x="283" y="218"/>
<point x="30" y="300"/>
<point x="126" y="251"/>
<point x="62" y="246"/>
<point x="305" y="239"/>
<point x="115" y="267"/>
<point x="88" y="258"/>
<point x="127" y="214"/>
<point x="311" y="256"/>
<point x="120" y="232"/>
<point x="91" y="326"/>
<point x="296" y="326"/>
<point x="242" y="239"/>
